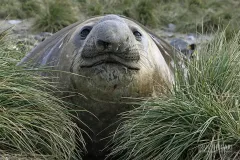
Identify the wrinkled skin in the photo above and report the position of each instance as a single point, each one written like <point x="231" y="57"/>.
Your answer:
<point x="111" y="58"/>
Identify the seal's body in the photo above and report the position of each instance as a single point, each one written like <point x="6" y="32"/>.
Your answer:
<point x="110" y="58"/>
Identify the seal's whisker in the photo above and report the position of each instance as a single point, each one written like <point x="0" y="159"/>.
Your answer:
<point x="146" y="58"/>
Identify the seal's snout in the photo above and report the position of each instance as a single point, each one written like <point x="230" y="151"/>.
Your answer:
<point x="110" y="34"/>
<point x="103" y="44"/>
<point x="112" y="42"/>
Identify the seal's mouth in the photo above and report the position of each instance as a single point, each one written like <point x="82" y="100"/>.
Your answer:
<point x="109" y="59"/>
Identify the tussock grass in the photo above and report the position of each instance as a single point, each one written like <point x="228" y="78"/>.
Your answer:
<point x="33" y="123"/>
<point x="140" y="10"/>
<point x="56" y="15"/>
<point x="199" y="121"/>
<point x="20" y="8"/>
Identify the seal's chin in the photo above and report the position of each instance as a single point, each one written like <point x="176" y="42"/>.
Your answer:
<point x="108" y="60"/>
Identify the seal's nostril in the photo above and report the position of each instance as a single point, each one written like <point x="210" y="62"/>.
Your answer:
<point x="103" y="44"/>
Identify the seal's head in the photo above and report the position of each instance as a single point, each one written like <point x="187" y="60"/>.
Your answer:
<point x="120" y="58"/>
<point x="116" y="56"/>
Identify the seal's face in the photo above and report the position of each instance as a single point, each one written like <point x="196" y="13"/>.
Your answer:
<point x="117" y="57"/>
<point x="111" y="41"/>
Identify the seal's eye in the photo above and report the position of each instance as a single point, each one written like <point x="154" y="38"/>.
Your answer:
<point x="84" y="32"/>
<point x="138" y="35"/>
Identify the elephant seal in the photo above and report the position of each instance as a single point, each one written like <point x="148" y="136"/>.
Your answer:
<point x="110" y="58"/>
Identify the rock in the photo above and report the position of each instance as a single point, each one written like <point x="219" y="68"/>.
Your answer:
<point x="182" y="46"/>
<point x="192" y="37"/>
<point x="169" y="34"/>
<point x="19" y="31"/>
<point x="171" y="27"/>
<point x="45" y="34"/>
<point x="14" y="22"/>
<point x="42" y="36"/>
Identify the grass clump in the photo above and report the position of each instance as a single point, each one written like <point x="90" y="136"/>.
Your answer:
<point x="9" y="8"/>
<point x="20" y="8"/>
<point x="142" y="11"/>
<point x="56" y="15"/>
<point x="201" y="119"/>
<point x="34" y="123"/>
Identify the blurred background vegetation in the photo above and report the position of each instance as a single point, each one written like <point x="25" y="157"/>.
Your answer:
<point x="188" y="15"/>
